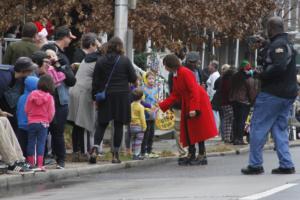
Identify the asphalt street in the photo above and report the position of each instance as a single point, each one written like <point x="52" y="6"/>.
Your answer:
<point x="219" y="180"/>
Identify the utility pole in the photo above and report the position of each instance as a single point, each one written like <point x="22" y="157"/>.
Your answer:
<point x="121" y="20"/>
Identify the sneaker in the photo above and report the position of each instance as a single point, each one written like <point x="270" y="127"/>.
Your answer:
<point x="60" y="165"/>
<point x="39" y="169"/>
<point x="49" y="161"/>
<point x="19" y="168"/>
<point x="252" y="170"/>
<point x="135" y="157"/>
<point x="281" y="170"/>
<point x="153" y="155"/>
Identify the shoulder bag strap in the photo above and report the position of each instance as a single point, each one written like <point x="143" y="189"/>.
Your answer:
<point x="112" y="71"/>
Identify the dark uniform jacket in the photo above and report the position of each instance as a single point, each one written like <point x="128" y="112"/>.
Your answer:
<point x="278" y="76"/>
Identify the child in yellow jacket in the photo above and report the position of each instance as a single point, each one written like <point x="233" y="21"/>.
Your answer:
<point x="137" y="124"/>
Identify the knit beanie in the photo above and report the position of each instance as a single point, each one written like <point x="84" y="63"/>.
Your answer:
<point x="38" y="57"/>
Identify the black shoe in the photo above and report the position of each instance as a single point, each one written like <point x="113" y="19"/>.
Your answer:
<point x="252" y="170"/>
<point x="281" y="170"/>
<point x="115" y="158"/>
<point x="93" y="155"/>
<point x="186" y="160"/>
<point x="200" y="160"/>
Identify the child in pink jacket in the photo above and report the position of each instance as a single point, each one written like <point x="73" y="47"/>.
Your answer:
<point x="40" y="111"/>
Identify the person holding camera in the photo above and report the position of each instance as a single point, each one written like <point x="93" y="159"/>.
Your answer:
<point x="274" y="102"/>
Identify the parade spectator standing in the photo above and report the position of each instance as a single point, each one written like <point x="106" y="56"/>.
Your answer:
<point x="197" y="123"/>
<point x="226" y="106"/>
<point x="242" y="96"/>
<point x="86" y="48"/>
<point x="62" y="37"/>
<point x="151" y="96"/>
<point x="82" y="110"/>
<point x="30" y="85"/>
<point x="40" y="111"/>
<point x="138" y="123"/>
<point x="116" y="105"/>
<point x="274" y="102"/>
<point x="12" y="86"/>
<point x="25" y="47"/>
<point x="210" y="83"/>
<point x="10" y="149"/>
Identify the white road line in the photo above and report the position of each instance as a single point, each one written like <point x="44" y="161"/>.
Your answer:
<point x="269" y="192"/>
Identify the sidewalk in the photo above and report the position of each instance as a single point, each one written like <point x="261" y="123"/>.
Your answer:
<point x="215" y="147"/>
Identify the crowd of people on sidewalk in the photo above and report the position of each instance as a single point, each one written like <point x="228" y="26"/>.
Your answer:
<point x="42" y="89"/>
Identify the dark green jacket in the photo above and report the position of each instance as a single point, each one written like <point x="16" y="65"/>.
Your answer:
<point x="25" y="47"/>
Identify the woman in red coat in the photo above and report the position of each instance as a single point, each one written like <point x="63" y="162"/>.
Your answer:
<point x="197" y="121"/>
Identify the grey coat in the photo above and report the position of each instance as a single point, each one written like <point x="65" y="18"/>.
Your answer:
<point x="82" y="110"/>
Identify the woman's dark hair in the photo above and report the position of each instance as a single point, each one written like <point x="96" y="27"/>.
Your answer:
<point x="38" y="57"/>
<point x="115" y="45"/>
<point x="88" y="40"/>
<point x="137" y="94"/>
<point x="238" y="80"/>
<point x="171" y="61"/>
<point x="46" y="84"/>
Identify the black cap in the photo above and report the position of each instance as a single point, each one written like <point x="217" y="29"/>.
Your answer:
<point x="24" y="64"/>
<point x="63" y="31"/>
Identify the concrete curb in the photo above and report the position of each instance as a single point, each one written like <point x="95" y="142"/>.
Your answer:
<point x="7" y="181"/>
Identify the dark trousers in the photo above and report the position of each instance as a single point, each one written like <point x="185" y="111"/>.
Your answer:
<point x="201" y="148"/>
<point x="118" y="134"/>
<point x="78" y="139"/>
<point x="56" y="129"/>
<point x="148" y="137"/>
<point x="23" y="140"/>
<point x="240" y="113"/>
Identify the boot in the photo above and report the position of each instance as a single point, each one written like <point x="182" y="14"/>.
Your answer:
<point x="200" y="160"/>
<point x="115" y="157"/>
<point x="40" y="160"/>
<point x="191" y="156"/>
<point x="30" y="160"/>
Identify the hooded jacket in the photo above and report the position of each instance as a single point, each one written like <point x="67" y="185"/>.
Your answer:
<point x="40" y="107"/>
<point x="30" y="85"/>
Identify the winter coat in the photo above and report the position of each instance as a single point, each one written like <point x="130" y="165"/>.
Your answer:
<point x="40" y="107"/>
<point x="81" y="107"/>
<point x="193" y="98"/>
<point x="30" y="85"/>
<point x="25" y="47"/>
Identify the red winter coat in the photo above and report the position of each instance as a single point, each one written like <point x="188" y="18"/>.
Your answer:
<point x="192" y="97"/>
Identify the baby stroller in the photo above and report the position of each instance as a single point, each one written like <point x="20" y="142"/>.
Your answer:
<point x="294" y="121"/>
<point x="247" y="126"/>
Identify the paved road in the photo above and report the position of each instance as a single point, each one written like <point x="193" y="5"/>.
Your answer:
<point x="220" y="180"/>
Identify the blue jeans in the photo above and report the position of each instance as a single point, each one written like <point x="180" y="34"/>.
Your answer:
<point x="37" y="135"/>
<point x="270" y="114"/>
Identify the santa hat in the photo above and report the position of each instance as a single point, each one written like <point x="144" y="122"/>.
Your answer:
<point x="42" y="32"/>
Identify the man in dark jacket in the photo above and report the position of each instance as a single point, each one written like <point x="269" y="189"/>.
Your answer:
<point x="12" y="85"/>
<point x="274" y="102"/>
<point x="25" y="47"/>
<point x="62" y="37"/>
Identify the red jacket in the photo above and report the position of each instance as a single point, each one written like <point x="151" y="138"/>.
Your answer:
<point x="192" y="97"/>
